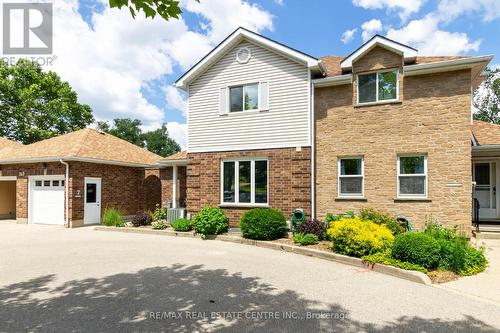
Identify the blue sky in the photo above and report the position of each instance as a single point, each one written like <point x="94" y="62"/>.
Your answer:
<point x="125" y="68"/>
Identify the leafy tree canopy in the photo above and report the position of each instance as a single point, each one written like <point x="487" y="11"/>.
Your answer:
<point x="486" y="98"/>
<point x="165" y="8"/>
<point x="157" y="141"/>
<point x="37" y="105"/>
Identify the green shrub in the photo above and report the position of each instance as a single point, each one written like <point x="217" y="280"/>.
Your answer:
<point x="159" y="214"/>
<point x="386" y="259"/>
<point x="211" y="221"/>
<point x="305" y="239"/>
<point x="438" y="231"/>
<point x="159" y="225"/>
<point x="474" y="262"/>
<point x="382" y="218"/>
<point x="182" y="225"/>
<point x="417" y="248"/>
<point x="263" y="224"/>
<point x="113" y="218"/>
<point x="354" y="237"/>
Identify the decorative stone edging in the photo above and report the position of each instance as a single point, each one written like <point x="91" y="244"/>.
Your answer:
<point x="384" y="269"/>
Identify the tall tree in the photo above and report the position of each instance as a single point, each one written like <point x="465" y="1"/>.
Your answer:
<point x="486" y="98"/>
<point x="37" y="105"/>
<point x="159" y="142"/>
<point x="165" y="8"/>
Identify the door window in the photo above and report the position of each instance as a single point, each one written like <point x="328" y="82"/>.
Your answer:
<point x="91" y="193"/>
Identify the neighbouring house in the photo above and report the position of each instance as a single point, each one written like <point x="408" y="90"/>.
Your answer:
<point x="7" y="200"/>
<point x="270" y="126"/>
<point x="70" y="179"/>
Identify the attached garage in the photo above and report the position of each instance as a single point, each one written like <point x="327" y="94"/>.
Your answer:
<point x="46" y="200"/>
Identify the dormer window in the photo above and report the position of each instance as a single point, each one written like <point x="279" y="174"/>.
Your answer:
<point x="378" y="87"/>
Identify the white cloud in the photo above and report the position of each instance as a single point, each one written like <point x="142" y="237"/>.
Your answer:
<point x="280" y="2"/>
<point x="178" y="132"/>
<point x="426" y="36"/>
<point x="449" y="10"/>
<point x="175" y="99"/>
<point x="348" y="35"/>
<point x="405" y="8"/>
<point x="370" y="28"/>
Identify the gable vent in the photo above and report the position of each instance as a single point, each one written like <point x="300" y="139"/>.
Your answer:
<point x="243" y="55"/>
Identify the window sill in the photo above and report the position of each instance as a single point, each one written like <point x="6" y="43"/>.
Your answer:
<point x="361" y="199"/>
<point x="414" y="199"/>
<point x="243" y="205"/>
<point x="360" y="105"/>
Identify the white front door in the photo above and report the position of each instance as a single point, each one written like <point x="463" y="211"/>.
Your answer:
<point x="92" y="208"/>
<point x="46" y="200"/>
<point x="485" y="189"/>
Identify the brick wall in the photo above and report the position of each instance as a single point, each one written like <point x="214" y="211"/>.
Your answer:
<point x="433" y="118"/>
<point x="150" y="189"/>
<point x="166" y="176"/>
<point x="289" y="180"/>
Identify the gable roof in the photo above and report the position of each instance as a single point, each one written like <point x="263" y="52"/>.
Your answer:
<point x="486" y="133"/>
<point x="233" y="39"/>
<point x="6" y="143"/>
<point x="407" y="52"/>
<point x="179" y="158"/>
<point x="86" y="145"/>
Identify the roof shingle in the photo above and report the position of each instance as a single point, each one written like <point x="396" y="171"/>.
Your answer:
<point x="83" y="144"/>
<point x="486" y="133"/>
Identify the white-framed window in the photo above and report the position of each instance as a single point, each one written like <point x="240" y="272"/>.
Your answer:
<point x="382" y="86"/>
<point x="351" y="177"/>
<point x="244" y="97"/>
<point x="245" y="181"/>
<point x="412" y="176"/>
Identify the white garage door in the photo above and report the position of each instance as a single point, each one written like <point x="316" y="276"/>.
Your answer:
<point x="47" y="200"/>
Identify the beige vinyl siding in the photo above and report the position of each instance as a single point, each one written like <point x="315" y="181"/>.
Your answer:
<point x="286" y="124"/>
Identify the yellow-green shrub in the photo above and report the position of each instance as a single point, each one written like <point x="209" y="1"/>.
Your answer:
<point x="358" y="238"/>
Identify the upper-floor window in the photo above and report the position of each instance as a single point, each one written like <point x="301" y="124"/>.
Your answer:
<point x="378" y="87"/>
<point x="412" y="176"/>
<point x="244" y="98"/>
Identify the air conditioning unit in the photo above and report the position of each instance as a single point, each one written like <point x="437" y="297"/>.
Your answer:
<point x="174" y="214"/>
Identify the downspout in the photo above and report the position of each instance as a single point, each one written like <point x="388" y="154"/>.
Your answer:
<point x="313" y="151"/>
<point x="66" y="189"/>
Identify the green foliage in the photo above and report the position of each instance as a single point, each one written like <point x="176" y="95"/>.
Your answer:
<point x="167" y="9"/>
<point x="113" y="218"/>
<point x="157" y="141"/>
<point x="211" y="221"/>
<point x="159" y="214"/>
<point x="417" y="248"/>
<point x="358" y="238"/>
<point x="382" y="218"/>
<point x="159" y="225"/>
<point x="305" y="239"/>
<point x="486" y="98"/>
<point x="263" y="224"/>
<point x="386" y="259"/>
<point x="331" y="218"/>
<point x="474" y="262"/>
<point x="36" y="105"/>
<point x="182" y="225"/>
<point x="160" y="143"/>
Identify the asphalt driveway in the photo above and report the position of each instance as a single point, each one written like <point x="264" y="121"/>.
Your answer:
<point x="58" y="280"/>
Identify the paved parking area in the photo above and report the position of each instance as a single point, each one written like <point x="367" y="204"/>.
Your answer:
<point x="80" y="280"/>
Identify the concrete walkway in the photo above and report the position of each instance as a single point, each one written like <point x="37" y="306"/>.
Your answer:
<point x="487" y="284"/>
<point x="80" y="280"/>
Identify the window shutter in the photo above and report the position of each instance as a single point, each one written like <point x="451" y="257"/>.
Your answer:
<point x="264" y="96"/>
<point x="223" y="101"/>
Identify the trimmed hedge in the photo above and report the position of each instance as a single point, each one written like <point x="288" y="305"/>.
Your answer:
<point x="358" y="238"/>
<point x="263" y="224"/>
<point x="417" y="248"/>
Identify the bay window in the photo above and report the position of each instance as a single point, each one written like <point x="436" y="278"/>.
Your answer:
<point x="412" y="176"/>
<point x="244" y="181"/>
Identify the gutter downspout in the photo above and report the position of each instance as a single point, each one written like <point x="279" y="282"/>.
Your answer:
<point x="313" y="152"/>
<point x="66" y="189"/>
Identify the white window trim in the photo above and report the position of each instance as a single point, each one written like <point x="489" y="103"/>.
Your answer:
<point x="243" y="86"/>
<point x="236" y="202"/>
<point x="412" y="196"/>
<point x="377" y="101"/>
<point x="362" y="175"/>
